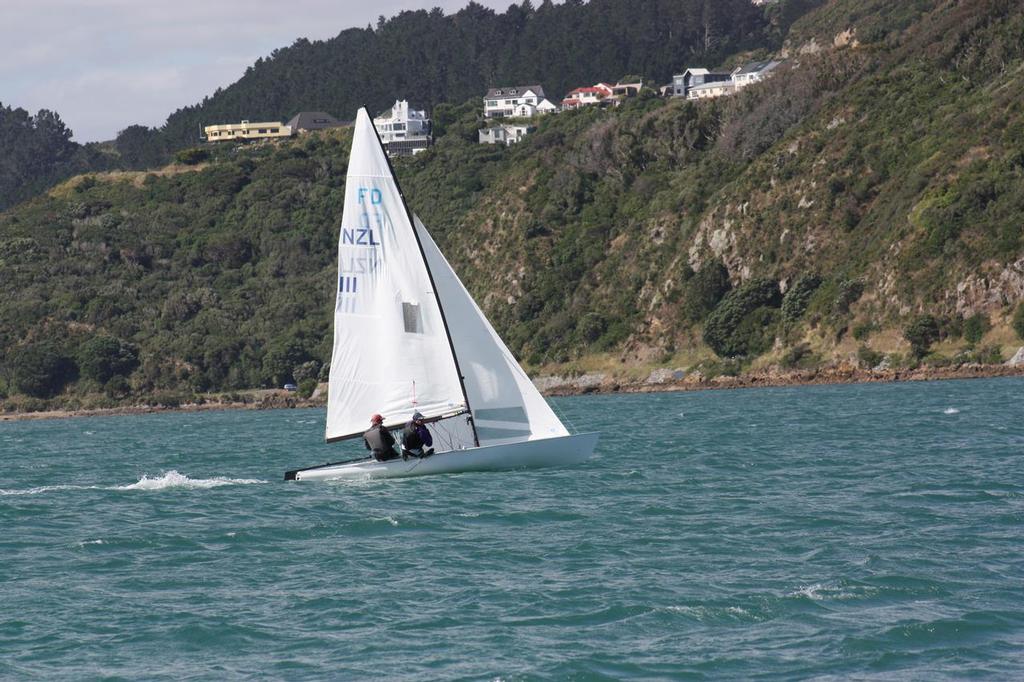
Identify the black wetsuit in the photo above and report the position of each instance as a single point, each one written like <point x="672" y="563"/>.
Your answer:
<point x="381" y="442"/>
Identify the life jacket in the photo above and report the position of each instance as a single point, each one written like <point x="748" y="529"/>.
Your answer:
<point x="379" y="439"/>
<point x="411" y="438"/>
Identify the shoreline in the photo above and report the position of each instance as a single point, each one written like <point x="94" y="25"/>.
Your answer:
<point x="828" y="376"/>
<point x="589" y="384"/>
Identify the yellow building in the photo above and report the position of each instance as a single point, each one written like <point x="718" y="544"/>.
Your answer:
<point x="246" y="131"/>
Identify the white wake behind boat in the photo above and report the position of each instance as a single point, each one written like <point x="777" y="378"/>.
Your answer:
<point x="408" y="337"/>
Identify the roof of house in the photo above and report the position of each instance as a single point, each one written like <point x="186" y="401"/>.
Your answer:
<point x="515" y="91"/>
<point x="313" y="120"/>
<point x="580" y="91"/>
<point x="756" y="67"/>
<point x="713" y="85"/>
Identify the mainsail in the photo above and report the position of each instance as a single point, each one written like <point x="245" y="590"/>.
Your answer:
<point x="506" y="406"/>
<point x="392" y="353"/>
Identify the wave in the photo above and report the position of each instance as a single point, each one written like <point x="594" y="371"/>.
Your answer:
<point x="173" y="479"/>
<point x="48" y="488"/>
<point x="951" y="410"/>
<point x="170" y="479"/>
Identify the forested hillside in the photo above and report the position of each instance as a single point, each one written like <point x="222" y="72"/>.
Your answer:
<point x="37" y="151"/>
<point x="429" y="57"/>
<point x="863" y="206"/>
<point x="425" y="57"/>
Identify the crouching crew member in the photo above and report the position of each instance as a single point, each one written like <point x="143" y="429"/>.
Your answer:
<point x="416" y="438"/>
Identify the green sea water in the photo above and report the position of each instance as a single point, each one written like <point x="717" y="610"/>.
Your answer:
<point x="864" y="532"/>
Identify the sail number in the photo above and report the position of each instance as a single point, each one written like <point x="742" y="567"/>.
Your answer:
<point x="363" y="235"/>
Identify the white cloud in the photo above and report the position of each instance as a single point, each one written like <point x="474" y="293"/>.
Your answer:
<point x="106" y="64"/>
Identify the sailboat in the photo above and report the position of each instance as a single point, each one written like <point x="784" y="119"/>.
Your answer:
<point x="408" y="338"/>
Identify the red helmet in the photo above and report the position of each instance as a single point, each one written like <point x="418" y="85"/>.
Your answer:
<point x="376" y="419"/>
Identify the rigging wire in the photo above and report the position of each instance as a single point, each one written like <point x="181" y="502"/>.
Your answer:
<point x="562" y="416"/>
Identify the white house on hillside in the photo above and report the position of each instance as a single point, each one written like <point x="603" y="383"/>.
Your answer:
<point x="403" y="131"/>
<point x="504" y="133"/>
<point x="529" y="110"/>
<point x="754" y="72"/>
<point x="698" y="83"/>
<point x="524" y="101"/>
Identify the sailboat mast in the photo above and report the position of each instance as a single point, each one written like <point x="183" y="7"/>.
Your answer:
<point x="433" y="285"/>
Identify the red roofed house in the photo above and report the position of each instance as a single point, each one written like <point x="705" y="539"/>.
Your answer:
<point x="581" y="97"/>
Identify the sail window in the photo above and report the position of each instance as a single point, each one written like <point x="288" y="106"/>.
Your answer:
<point x="412" y="318"/>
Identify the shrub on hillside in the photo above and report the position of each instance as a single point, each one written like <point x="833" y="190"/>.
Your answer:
<point x="743" y="323"/>
<point x="704" y="290"/>
<point x="975" y="327"/>
<point x="1018" y="320"/>
<point x="798" y="357"/>
<point x="591" y="327"/>
<point x="922" y="332"/>
<point x="850" y="291"/>
<point x="192" y="156"/>
<point x="794" y="303"/>
<point x="863" y="330"/>
<point x="41" y="371"/>
<point x="103" y="357"/>
<point x="306" y="387"/>
<point x="307" y="370"/>
<point x="869" y="358"/>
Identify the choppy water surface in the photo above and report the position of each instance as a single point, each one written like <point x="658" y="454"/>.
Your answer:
<point x="866" y="532"/>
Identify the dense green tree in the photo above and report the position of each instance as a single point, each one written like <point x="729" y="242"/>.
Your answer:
<point x="975" y="327"/>
<point x="41" y="370"/>
<point x="103" y="357"/>
<point x="798" y="296"/>
<point x="36" y="151"/>
<point x="704" y="290"/>
<point x="922" y="332"/>
<point x="743" y="323"/>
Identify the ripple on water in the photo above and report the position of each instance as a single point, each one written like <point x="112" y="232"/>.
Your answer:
<point x="827" y="532"/>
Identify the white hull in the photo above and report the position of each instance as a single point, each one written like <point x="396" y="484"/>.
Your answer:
<point x="546" y="452"/>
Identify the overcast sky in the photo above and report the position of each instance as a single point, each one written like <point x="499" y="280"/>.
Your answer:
<point x="106" y="64"/>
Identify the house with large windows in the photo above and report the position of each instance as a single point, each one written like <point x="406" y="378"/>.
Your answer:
<point x="246" y="130"/>
<point x="403" y="131"/>
<point x="523" y="101"/>
<point x="691" y="78"/>
<point x="700" y="83"/>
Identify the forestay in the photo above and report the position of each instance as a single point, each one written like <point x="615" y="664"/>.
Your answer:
<point x="506" y="406"/>
<point x="391" y="352"/>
